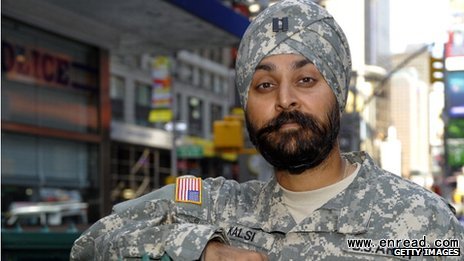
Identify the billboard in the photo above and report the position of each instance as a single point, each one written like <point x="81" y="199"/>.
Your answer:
<point x="455" y="94"/>
<point x="455" y="142"/>
<point x="455" y="152"/>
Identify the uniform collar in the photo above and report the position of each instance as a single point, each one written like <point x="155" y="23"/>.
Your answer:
<point x="358" y="199"/>
<point x="348" y="213"/>
<point x="269" y="213"/>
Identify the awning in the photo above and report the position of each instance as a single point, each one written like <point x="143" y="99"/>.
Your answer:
<point x="137" y="26"/>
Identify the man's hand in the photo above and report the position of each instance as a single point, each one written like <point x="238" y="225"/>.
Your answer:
<point x="221" y="252"/>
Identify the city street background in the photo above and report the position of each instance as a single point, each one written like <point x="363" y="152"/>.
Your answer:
<point x="104" y="101"/>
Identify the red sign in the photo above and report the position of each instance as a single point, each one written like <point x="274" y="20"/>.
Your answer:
<point x="34" y="65"/>
<point x="455" y="45"/>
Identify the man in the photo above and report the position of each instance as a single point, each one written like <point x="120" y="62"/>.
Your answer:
<point x="293" y="71"/>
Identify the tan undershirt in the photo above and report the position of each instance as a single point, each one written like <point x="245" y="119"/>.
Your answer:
<point x="302" y="204"/>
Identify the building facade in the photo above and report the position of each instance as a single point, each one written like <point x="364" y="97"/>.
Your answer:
<point x="55" y="116"/>
<point x="410" y="110"/>
<point x="141" y="149"/>
<point x="77" y="96"/>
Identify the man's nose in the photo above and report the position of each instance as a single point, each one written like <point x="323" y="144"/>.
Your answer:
<point x="287" y="98"/>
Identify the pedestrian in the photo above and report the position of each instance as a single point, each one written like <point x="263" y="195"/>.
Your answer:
<point x="292" y="73"/>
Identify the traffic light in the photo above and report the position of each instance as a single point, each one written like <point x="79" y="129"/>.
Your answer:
<point x="437" y="69"/>
<point x="228" y="134"/>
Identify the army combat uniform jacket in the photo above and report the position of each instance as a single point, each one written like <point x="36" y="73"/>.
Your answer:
<point x="376" y="206"/>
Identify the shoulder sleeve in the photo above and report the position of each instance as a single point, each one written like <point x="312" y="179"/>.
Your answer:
<point x="227" y="197"/>
<point x="152" y="226"/>
<point x="165" y="192"/>
<point x="453" y="237"/>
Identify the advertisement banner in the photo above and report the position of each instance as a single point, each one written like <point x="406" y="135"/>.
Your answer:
<point x="161" y="101"/>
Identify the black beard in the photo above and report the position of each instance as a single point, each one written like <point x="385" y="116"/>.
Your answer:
<point x="300" y="149"/>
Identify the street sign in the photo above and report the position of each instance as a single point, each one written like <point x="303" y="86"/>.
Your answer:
<point x="190" y="151"/>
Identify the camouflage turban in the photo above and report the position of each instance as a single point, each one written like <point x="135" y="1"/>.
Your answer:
<point x="296" y="27"/>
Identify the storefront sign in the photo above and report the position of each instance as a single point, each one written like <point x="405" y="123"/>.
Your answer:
<point x="160" y="115"/>
<point x="43" y="67"/>
<point x="206" y="145"/>
<point x="144" y="136"/>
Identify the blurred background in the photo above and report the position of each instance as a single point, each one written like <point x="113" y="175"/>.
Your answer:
<point x="103" y="101"/>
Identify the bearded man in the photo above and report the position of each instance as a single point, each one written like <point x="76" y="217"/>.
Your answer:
<point x="293" y="71"/>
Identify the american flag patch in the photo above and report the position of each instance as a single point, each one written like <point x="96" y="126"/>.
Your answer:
<point x="188" y="189"/>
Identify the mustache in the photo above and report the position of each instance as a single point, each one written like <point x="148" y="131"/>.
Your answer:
<point x="306" y="121"/>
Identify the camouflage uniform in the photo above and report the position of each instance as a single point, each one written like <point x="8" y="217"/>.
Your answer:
<point x="377" y="205"/>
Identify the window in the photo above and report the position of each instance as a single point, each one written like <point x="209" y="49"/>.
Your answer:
<point x="206" y="80"/>
<point x="140" y="169"/>
<point x="217" y="84"/>
<point x="185" y="72"/>
<point x="225" y="85"/>
<point x="216" y="114"/>
<point x="117" y="93"/>
<point x="32" y="160"/>
<point x="143" y="94"/>
<point x="142" y="103"/>
<point x="179" y="105"/>
<point x="117" y="88"/>
<point x="196" y="76"/>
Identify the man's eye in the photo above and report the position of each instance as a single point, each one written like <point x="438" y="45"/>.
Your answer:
<point x="264" y="85"/>
<point x="307" y="80"/>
